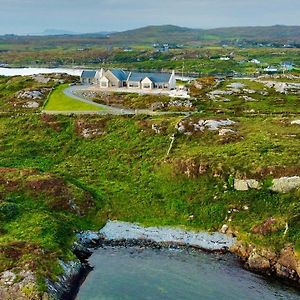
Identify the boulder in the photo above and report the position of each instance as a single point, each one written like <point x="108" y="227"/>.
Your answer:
<point x="285" y="184"/>
<point x="295" y="122"/>
<point x="253" y="184"/>
<point x="258" y="263"/>
<point x="31" y="104"/>
<point x="223" y="132"/>
<point x="246" y="184"/>
<point x="288" y="261"/>
<point x="213" y="125"/>
<point x="241" y="185"/>
<point x="248" y="99"/>
<point x="224" y="229"/>
<point x="241" y="250"/>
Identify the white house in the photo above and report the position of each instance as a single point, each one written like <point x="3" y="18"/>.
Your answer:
<point x="117" y="78"/>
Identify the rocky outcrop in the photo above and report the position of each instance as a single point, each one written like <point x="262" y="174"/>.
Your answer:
<point x="180" y="103"/>
<point x="257" y="262"/>
<point x="284" y="264"/>
<point x="191" y="168"/>
<point x="64" y="282"/>
<point x="189" y="127"/>
<point x="88" y="129"/>
<point x="19" y="284"/>
<point x="287" y="265"/>
<point x="31" y="104"/>
<point x="72" y="271"/>
<point x="279" y="185"/>
<point x="35" y="95"/>
<point x="283" y="87"/>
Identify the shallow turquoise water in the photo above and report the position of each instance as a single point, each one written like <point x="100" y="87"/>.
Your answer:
<point x="133" y="273"/>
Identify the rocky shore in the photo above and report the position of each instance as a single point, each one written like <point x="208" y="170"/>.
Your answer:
<point x="125" y="234"/>
<point x="283" y="265"/>
<point x="120" y="231"/>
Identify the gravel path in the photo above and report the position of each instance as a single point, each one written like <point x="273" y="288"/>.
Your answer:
<point x="116" y="231"/>
<point x="71" y="92"/>
<point x="107" y="110"/>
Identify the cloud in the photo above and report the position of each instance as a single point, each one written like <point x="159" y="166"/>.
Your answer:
<point x="26" y="16"/>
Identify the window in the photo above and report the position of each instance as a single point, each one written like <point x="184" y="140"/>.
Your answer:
<point x="134" y="84"/>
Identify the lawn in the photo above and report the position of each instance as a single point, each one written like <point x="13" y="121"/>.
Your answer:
<point x="58" y="101"/>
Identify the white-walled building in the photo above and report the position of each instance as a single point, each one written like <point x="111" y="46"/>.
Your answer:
<point x="117" y="78"/>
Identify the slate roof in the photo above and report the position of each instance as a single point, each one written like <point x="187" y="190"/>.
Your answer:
<point x="88" y="74"/>
<point x="120" y="74"/>
<point x="154" y="77"/>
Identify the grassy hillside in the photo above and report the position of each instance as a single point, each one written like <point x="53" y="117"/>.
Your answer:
<point x="155" y="34"/>
<point x="267" y="33"/>
<point x="61" y="174"/>
<point x="152" y="34"/>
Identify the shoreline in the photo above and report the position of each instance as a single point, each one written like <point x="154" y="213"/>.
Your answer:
<point x="123" y="234"/>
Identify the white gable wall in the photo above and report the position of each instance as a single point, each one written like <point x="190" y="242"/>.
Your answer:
<point x="113" y="80"/>
<point x="172" y="81"/>
<point x="147" y="84"/>
<point x="104" y="82"/>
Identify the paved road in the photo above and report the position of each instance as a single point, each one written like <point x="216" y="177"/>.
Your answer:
<point x="71" y="92"/>
<point x="107" y="110"/>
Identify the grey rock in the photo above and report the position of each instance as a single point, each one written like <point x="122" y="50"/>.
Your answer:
<point x="295" y="122"/>
<point x="63" y="284"/>
<point x="116" y="231"/>
<point x="224" y="229"/>
<point x="285" y="184"/>
<point x="246" y="184"/>
<point x="223" y="132"/>
<point x="258" y="262"/>
<point x="236" y="85"/>
<point x="241" y="185"/>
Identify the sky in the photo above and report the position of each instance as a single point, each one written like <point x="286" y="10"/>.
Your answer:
<point x="35" y="16"/>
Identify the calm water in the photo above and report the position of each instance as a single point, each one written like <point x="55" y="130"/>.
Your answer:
<point x="123" y="274"/>
<point x="36" y="71"/>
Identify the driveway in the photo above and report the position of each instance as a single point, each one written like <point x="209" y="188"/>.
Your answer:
<point x="107" y="110"/>
<point x="71" y="92"/>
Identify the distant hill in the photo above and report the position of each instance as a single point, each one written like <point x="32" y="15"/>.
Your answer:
<point x="164" y="34"/>
<point x="277" y="32"/>
<point x="57" y="32"/>
<point x="176" y="34"/>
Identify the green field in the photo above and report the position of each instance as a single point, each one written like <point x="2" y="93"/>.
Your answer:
<point x="63" y="174"/>
<point x="58" y="101"/>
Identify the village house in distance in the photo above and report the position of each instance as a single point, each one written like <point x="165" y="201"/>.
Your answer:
<point x="117" y="78"/>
